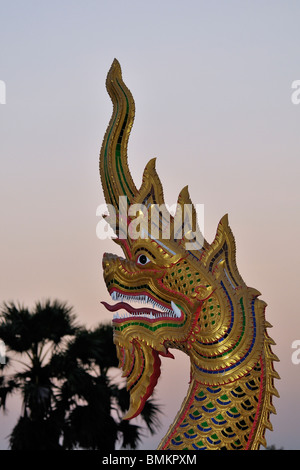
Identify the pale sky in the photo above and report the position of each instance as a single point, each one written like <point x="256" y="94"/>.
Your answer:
<point x="212" y="83"/>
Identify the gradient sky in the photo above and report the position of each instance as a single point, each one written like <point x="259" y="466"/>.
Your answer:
<point x="212" y="85"/>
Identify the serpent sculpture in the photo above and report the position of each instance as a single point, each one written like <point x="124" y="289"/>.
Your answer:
<point x="190" y="296"/>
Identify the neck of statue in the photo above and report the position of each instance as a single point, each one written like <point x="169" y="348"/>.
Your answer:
<point x="224" y="416"/>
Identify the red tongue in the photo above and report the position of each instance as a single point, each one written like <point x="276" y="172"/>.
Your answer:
<point x="129" y="308"/>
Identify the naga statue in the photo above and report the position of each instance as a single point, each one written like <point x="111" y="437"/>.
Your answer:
<point x="188" y="295"/>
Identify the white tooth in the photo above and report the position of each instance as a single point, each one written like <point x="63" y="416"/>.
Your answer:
<point x="176" y="310"/>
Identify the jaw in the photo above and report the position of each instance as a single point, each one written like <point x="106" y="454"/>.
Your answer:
<point x="142" y="315"/>
<point x="140" y="335"/>
<point x="151" y="310"/>
<point x="141" y="367"/>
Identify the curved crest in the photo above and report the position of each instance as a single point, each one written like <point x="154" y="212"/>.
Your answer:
<point x="115" y="175"/>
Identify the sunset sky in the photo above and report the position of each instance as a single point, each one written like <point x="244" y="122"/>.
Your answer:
<point x="212" y="82"/>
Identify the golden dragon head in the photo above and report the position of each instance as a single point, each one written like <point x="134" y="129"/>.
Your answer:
<point x="172" y="288"/>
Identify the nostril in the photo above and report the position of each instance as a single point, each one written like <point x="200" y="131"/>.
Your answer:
<point x="105" y="264"/>
<point x="108" y="260"/>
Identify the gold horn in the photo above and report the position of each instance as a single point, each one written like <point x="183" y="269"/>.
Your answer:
<point x="114" y="172"/>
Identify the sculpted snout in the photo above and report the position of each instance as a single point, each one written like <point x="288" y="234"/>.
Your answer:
<point x="109" y="260"/>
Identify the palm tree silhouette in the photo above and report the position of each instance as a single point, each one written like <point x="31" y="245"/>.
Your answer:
<point x="63" y="372"/>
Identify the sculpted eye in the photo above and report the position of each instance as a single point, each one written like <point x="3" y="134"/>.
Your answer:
<point x="143" y="259"/>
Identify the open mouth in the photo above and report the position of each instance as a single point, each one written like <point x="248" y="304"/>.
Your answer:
<point x="149" y="309"/>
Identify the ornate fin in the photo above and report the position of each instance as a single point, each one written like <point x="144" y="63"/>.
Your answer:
<point x="223" y="246"/>
<point x="186" y="212"/>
